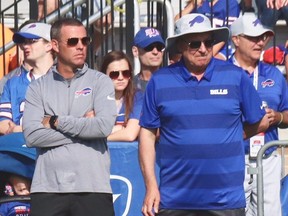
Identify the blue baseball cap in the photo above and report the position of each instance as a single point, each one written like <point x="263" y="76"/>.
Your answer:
<point x="146" y="36"/>
<point x="33" y="31"/>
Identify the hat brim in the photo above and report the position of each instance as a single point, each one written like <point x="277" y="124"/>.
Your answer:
<point x="149" y="41"/>
<point x="19" y="37"/>
<point x="219" y="35"/>
<point x="258" y="33"/>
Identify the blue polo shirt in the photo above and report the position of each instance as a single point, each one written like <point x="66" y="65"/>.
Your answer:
<point x="200" y="150"/>
<point x="271" y="88"/>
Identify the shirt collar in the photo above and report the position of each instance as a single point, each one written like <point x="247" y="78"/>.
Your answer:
<point x="187" y="75"/>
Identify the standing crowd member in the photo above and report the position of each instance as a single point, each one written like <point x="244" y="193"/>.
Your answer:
<point x="149" y="49"/>
<point x="34" y="40"/>
<point x="216" y="11"/>
<point x="250" y="37"/>
<point x="68" y="115"/>
<point x="198" y="105"/>
<point x="276" y="3"/>
<point x="270" y="16"/>
<point x="117" y="66"/>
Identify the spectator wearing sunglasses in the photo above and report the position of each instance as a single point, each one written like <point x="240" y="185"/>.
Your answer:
<point x="68" y="115"/>
<point x="250" y="37"/>
<point x="216" y="11"/>
<point x="148" y="48"/>
<point x="129" y="100"/>
<point x="197" y="104"/>
<point x="34" y="40"/>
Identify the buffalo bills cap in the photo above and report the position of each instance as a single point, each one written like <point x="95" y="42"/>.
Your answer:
<point x="248" y="24"/>
<point x="146" y="36"/>
<point x="33" y="31"/>
<point x="195" y="23"/>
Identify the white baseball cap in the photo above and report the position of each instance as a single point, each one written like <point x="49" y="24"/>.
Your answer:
<point x="248" y="24"/>
<point x="33" y="31"/>
<point x="196" y="23"/>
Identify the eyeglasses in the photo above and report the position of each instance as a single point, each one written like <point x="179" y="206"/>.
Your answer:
<point x="74" y="41"/>
<point x="160" y="47"/>
<point x="29" y="41"/>
<point x="115" y="74"/>
<point x="256" y="39"/>
<point x="197" y="44"/>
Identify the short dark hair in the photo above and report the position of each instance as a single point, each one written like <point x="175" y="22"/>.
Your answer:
<point x="57" y="25"/>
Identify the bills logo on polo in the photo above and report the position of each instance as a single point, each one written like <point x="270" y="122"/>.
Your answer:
<point x="268" y="82"/>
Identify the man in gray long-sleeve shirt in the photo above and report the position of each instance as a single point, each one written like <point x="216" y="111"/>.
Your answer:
<point x="68" y="115"/>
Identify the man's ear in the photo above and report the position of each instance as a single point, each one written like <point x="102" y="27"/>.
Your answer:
<point x="235" y="40"/>
<point x="135" y="51"/>
<point x="55" y="45"/>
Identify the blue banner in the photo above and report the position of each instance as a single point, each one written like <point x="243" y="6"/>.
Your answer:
<point x="126" y="178"/>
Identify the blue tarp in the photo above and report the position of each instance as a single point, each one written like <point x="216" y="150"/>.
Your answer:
<point x="15" y="157"/>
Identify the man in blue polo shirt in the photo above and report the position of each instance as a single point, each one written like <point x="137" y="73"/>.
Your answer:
<point x="198" y="105"/>
<point x="250" y="37"/>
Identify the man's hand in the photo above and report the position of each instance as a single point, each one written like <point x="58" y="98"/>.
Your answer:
<point x="151" y="202"/>
<point x="90" y="114"/>
<point x="278" y="4"/>
<point x="8" y="126"/>
<point x="45" y="121"/>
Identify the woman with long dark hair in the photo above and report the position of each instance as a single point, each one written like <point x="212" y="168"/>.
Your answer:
<point x="117" y="66"/>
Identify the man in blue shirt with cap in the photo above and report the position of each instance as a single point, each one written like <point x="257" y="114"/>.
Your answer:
<point x="149" y="48"/>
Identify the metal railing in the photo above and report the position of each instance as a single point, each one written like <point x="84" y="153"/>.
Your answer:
<point x="258" y="170"/>
<point x="128" y="24"/>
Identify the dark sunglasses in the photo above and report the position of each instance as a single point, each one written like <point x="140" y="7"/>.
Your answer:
<point x="74" y="41"/>
<point x="29" y="41"/>
<point x="160" y="47"/>
<point x="197" y="44"/>
<point x="115" y="74"/>
<point x="262" y="37"/>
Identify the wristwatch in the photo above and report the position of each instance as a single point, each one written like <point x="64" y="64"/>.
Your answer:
<point x="52" y="121"/>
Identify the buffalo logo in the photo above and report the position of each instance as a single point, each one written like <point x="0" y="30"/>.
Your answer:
<point x="268" y="82"/>
<point x="197" y="19"/>
<point x="84" y="92"/>
<point x="151" y="32"/>
<point x="256" y="22"/>
<point x="122" y="194"/>
<point x="32" y="25"/>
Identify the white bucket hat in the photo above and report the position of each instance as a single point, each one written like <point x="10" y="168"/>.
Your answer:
<point x="248" y="24"/>
<point x="196" y="23"/>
